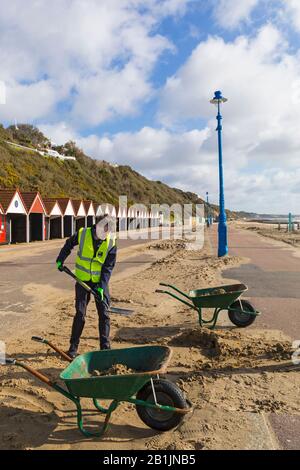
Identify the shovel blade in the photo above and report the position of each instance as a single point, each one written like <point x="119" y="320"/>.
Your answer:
<point x="120" y="311"/>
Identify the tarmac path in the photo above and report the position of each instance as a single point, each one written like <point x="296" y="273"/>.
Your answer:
<point x="272" y="274"/>
<point x="23" y="265"/>
<point x="273" y="277"/>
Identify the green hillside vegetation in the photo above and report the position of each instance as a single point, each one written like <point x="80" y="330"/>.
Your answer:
<point x="84" y="179"/>
<point x="27" y="135"/>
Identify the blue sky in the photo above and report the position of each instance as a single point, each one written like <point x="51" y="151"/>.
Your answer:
<point x="130" y="82"/>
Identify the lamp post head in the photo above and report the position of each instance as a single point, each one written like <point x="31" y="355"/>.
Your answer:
<point x="218" y="98"/>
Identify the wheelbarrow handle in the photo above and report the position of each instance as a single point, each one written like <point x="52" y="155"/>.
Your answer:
<point x="9" y="362"/>
<point x="52" y="346"/>
<point x="159" y="291"/>
<point x="38" y="339"/>
<point x="174" y="288"/>
<point x="36" y="373"/>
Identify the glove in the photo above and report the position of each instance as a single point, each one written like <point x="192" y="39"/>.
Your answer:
<point x="59" y="266"/>
<point x="100" y="292"/>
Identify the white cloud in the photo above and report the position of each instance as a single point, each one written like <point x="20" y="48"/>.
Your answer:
<point x="188" y="160"/>
<point x="59" y="133"/>
<point x="97" y="58"/>
<point x="291" y="12"/>
<point x="243" y="69"/>
<point x="230" y="13"/>
<point x="112" y="93"/>
<point x="86" y="52"/>
<point x="149" y="150"/>
<point x="29" y="100"/>
<point x="2" y="93"/>
<point x="261" y="130"/>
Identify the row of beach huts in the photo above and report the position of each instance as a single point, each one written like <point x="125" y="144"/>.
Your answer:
<point x="27" y="216"/>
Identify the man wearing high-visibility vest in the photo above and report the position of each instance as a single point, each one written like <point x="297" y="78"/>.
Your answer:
<point x="95" y="261"/>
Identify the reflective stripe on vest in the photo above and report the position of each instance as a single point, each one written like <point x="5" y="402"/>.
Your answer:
<point x="88" y="266"/>
<point x="81" y="244"/>
<point x="93" y="273"/>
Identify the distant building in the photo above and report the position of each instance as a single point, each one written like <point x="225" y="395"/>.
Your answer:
<point x="44" y="152"/>
<point x="55" y="154"/>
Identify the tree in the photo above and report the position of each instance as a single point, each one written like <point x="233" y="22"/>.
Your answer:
<point x="28" y="134"/>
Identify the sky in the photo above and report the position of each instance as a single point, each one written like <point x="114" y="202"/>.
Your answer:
<point x="131" y="81"/>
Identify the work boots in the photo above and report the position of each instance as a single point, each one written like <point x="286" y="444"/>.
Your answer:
<point x="72" y="353"/>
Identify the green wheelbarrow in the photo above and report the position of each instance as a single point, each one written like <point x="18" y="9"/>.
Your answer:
<point x="160" y="404"/>
<point x="241" y="312"/>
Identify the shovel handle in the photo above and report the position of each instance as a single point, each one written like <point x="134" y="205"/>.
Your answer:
<point x="67" y="270"/>
<point x="83" y="284"/>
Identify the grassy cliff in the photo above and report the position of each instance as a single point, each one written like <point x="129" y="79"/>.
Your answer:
<point x="86" y="178"/>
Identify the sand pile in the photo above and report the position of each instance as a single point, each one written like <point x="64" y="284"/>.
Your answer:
<point x="116" y="369"/>
<point x="201" y="338"/>
<point x="214" y="292"/>
<point x="169" y="245"/>
<point x="221" y="345"/>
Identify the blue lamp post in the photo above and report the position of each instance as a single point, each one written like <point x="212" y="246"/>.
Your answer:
<point x="218" y="99"/>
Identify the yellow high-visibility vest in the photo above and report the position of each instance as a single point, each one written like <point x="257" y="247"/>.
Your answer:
<point x="88" y="265"/>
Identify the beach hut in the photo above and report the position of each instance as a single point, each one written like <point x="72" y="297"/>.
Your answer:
<point x="80" y="214"/>
<point x="104" y="209"/>
<point x="68" y="211"/>
<point x="36" y="212"/>
<point x="99" y="211"/>
<point x="3" y="227"/>
<point x="90" y="212"/>
<point x="113" y="212"/>
<point x="54" y="219"/>
<point x="146" y="219"/>
<point x="154" y="218"/>
<point x="108" y="209"/>
<point x="95" y="206"/>
<point x="16" y="220"/>
<point x="133" y="216"/>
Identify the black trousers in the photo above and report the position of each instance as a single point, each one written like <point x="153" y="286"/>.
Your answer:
<point x="82" y="298"/>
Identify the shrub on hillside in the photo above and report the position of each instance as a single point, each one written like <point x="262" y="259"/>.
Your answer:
<point x="28" y="135"/>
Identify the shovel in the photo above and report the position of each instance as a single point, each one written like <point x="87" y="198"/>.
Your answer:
<point x="118" y="311"/>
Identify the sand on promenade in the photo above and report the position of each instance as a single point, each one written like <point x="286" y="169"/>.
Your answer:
<point x="233" y="377"/>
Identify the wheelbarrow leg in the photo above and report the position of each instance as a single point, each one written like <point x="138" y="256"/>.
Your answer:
<point x="114" y="404"/>
<point x="200" y="316"/>
<point x="211" y="323"/>
<point x="76" y="400"/>
<point x="215" y="318"/>
<point x="99" y="407"/>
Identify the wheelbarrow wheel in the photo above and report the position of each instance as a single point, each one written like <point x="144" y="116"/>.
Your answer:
<point x="237" y="315"/>
<point x="167" y="394"/>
